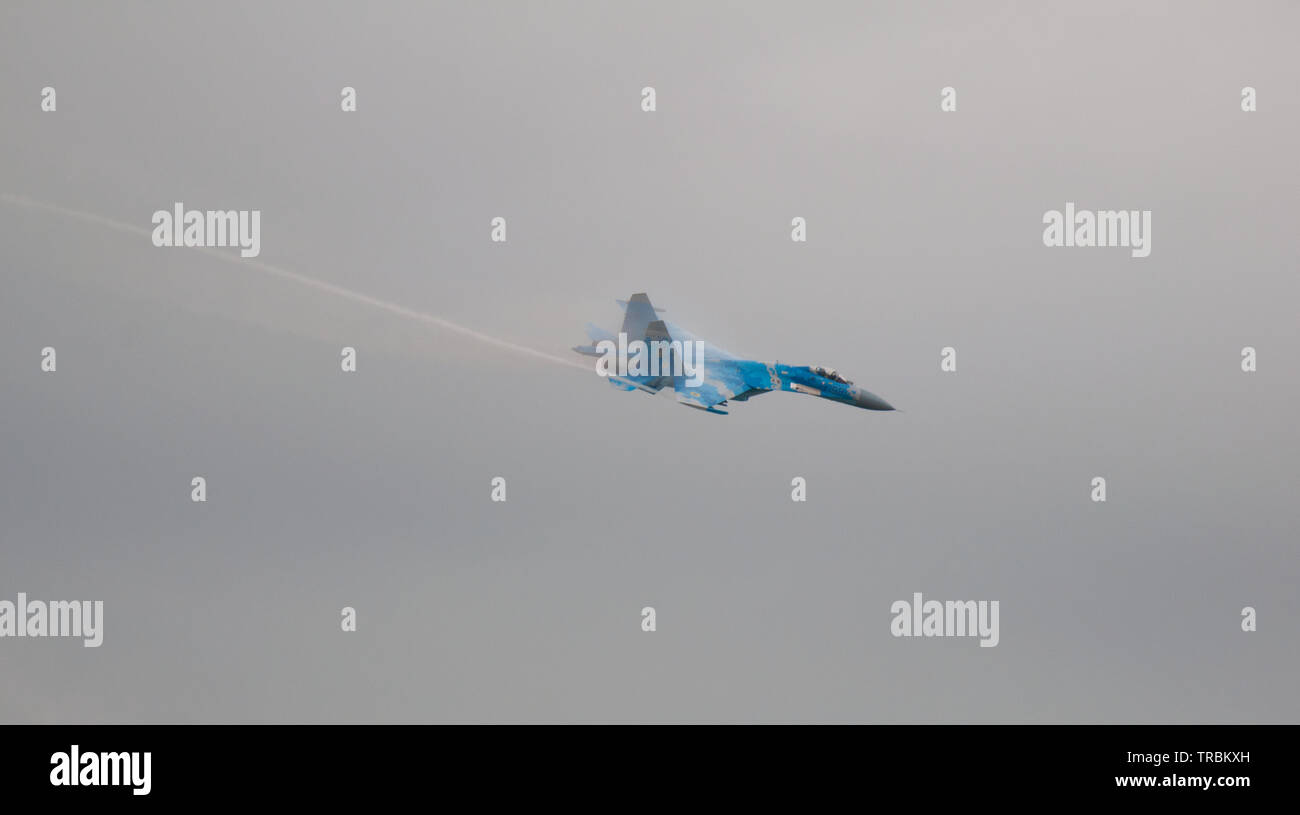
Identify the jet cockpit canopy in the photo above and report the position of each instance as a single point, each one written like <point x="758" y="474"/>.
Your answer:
<point x="830" y="373"/>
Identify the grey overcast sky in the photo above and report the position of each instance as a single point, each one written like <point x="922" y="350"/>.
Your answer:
<point x="371" y="490"/>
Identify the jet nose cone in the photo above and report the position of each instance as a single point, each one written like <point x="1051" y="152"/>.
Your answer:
<point x="867" y="399"/>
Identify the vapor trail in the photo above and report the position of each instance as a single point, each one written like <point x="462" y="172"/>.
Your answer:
<point x="287" y="274"/>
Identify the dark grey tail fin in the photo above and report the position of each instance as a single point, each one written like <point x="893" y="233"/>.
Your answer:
<point x="656" y="330"/>
<point x="638" y="316"/>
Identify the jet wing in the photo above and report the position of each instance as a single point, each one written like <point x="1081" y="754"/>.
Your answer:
<point x="651" y="386"/>
<point x="723" y="380"/>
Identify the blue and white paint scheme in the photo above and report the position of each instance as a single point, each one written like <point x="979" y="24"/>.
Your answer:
<point x="727" y="378"/>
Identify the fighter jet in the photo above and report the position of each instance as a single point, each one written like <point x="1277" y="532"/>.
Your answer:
<point x="726" y="378"/>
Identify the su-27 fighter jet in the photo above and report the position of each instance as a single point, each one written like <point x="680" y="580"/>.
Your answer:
<point x="725" y="377"/>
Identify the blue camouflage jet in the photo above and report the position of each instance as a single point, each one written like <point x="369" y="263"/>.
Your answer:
<point x="725" y="377"/>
